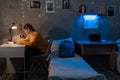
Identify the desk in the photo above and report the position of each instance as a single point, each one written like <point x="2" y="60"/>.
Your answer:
<point x="11" y="51"/>
<point x="98" y="48"/>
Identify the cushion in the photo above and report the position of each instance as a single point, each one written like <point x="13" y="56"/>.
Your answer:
<point x="66" y="49"/>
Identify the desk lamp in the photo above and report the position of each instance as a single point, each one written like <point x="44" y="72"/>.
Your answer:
<point x="10" y="30"/>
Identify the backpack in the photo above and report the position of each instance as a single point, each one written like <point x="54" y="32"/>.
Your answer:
<point x="66" y="49"/>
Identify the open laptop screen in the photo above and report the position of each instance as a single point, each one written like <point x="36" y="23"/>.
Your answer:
<point x="94" y="37"/>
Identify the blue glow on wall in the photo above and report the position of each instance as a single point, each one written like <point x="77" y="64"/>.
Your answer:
<point x="91" y="21"/>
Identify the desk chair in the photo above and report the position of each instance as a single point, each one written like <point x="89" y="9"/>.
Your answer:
<point x="39" y="67"/>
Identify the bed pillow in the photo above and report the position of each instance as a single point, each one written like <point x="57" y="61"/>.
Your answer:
<point x="66" y="49"/>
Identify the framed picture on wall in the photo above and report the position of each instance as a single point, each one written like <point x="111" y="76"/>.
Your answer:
<point x="35" y="4"/>
<point x="102" y="9"/>
<point x="50" y="6"/>
<point x="111" y="11"/>
<point x="119" y="9"/>
<point x="66" y="4"/>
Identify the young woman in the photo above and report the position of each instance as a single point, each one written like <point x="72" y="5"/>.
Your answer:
<point x="35" y="44"/>
<point x="33" y="39"/>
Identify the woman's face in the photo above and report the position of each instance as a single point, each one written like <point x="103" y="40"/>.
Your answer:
<point x="27" y="31"/>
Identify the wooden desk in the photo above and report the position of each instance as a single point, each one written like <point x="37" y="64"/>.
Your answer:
<point x="98" y="48"/>
<point x="11" y="51"/>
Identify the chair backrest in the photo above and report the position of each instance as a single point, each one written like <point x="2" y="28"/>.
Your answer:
<point x="48" y="52"/>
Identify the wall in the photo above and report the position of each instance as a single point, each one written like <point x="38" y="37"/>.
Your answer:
<point x="62" y="23"/>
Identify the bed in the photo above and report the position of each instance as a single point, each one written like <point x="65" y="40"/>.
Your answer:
<point x="71" y="68"/>
<point x="118" y="56"/>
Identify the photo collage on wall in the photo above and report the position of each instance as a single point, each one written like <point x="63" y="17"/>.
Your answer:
<point x="50" y="5"/>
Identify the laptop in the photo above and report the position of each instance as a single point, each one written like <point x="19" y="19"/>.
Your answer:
<point x="94" y="37"/>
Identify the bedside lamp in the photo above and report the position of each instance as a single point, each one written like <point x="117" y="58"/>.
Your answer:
<point x="10" y="30"/>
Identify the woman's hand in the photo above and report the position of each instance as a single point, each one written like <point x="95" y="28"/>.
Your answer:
<point x="16" y="38"/>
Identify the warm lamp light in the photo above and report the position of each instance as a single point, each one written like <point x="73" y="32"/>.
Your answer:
<point x="14" y="27"/>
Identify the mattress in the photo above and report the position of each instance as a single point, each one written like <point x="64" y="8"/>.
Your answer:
<point x="73" y="68"/>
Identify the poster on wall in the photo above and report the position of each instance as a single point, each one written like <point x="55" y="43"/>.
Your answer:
<point x="119" y="9"/>
<point x="66" y="4"/>
<point x="111" y="11"/>
<point x="102" y="9"/>
<point x="35" y="4"/>
<point x="50" y="6"/>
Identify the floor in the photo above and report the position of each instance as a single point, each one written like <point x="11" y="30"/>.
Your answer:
<point x="99" y="63"/>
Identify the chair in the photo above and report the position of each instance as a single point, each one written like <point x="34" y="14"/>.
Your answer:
<point x="40" y="65"/>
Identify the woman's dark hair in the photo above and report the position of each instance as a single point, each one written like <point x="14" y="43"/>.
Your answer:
<point x="28" y="26"/>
